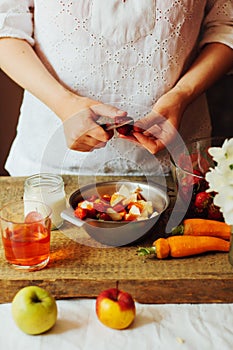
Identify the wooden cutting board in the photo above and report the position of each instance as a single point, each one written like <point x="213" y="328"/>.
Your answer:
<point x="80" y="267"/>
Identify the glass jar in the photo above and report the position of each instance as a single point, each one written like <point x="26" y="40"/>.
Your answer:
<point x="189" y="164"/>
<point x="48" y="188"/>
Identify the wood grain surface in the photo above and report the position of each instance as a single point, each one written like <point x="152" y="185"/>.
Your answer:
<point x="79" y="267"/>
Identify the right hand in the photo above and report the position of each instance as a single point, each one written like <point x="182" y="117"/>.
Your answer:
<point x="79" y="121"/>
<point x="159" y="127"/>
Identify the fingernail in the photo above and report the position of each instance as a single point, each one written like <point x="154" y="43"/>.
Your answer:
<point x="119" y="111"/>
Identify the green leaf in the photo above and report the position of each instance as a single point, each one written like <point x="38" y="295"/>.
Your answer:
<point x="142" y="251"/>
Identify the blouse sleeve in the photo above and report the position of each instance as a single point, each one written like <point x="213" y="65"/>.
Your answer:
<point x="16" y="19"/>
<point x="218" y="23"/>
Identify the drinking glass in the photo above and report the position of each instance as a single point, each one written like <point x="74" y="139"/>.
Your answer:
<point x="26" y="234"/>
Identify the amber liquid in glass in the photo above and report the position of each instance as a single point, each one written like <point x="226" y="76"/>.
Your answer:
<point x="27" y="244"/>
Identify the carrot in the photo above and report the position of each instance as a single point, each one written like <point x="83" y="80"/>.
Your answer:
<point x="183" y="246"/>
<point x="203" y="227"/>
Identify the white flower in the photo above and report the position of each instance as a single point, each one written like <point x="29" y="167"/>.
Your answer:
<point x="220" y="179"/>
<point x="214" y="178"/>
<point x="224" y="199"/>
<point x="224" y="154"/>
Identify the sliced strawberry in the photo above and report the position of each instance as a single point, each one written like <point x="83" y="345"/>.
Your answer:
<point x="100" y="206"/>
<point x="80" y="213"/>
<point x="124" y="129"/>
<point x="119" y="208"/>
<point x="91" y="213"/>
<point x="104" y="217"/>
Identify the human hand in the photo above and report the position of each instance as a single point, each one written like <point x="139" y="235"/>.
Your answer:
<point x="81" y="130"/>
<point x="159" y="128"/>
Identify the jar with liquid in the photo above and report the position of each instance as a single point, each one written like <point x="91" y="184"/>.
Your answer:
<point x="47" y="188"/>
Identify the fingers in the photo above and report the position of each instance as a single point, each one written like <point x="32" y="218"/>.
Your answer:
<point x="154" y="132"/>
<point x="148" y="121"/>
<point x="106" y="110"/>
<point x="81" y="131"/>
<point x="83" y="134"/>
<point x="150" y="143"/>
<point x="98" y="133"/>
<point x="87" y="144"/>
<point x="94" y="138"/>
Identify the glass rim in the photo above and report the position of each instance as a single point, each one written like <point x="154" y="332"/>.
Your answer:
<point x="188" y="172"/>
<point x="41" y="178"/>
<point x="187" y="145"/>
<point x="45" y="217"/>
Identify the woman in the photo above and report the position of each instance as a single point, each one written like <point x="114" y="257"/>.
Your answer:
<point x="78" y="60"/>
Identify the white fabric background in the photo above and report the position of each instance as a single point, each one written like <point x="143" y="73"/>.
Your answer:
<point x="160" y="327"/>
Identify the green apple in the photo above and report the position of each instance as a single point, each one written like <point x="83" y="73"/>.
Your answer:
<point x="115" y="308"/>
<point x="34" y="310"/>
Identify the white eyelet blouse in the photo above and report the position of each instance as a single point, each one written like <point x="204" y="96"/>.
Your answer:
<point x="126" y="53"/>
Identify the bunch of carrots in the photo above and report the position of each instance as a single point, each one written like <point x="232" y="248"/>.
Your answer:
<point x="194" y="236"/>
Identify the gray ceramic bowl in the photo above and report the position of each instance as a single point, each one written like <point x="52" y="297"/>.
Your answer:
<point x="115" y="233"/>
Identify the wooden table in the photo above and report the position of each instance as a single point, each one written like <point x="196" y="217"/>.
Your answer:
<point x="80" y="267"/>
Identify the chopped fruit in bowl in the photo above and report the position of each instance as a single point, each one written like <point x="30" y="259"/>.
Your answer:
<point x="123" y="205"/>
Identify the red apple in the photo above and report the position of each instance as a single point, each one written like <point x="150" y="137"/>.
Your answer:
<point x="115" y="308"/>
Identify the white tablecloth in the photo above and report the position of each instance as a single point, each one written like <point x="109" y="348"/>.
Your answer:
<point x="165" y="327"/>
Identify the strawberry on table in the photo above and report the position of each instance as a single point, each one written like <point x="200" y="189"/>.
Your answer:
<point x="202" y="200"/>
<point x="214" y="212"/>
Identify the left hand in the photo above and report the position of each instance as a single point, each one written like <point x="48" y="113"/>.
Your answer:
<point x="159" y="127"/>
